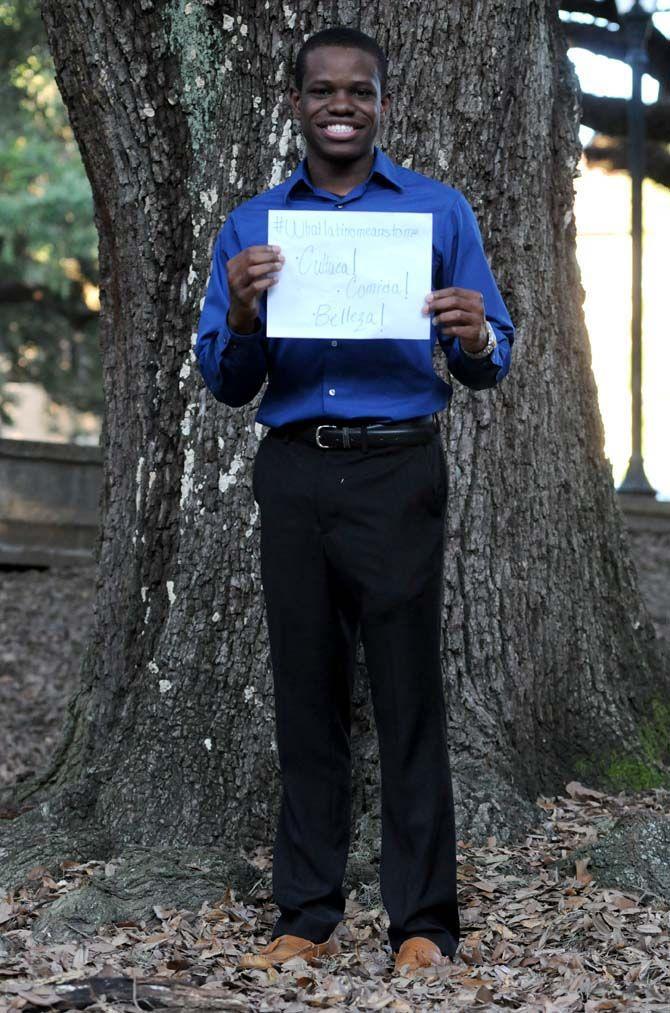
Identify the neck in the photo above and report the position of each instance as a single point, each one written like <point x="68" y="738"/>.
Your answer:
<point x="336" y="177"/>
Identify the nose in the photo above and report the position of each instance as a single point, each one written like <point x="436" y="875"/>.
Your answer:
<point x="340" y="101"/>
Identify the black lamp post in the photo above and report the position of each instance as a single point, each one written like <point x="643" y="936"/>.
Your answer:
<point x="635" y="17"/>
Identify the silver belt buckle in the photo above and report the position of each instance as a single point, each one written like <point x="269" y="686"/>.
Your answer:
<point x="324" y="446"/>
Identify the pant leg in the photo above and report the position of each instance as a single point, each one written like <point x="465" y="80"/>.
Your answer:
<point x="418" y="850"/>
<point x="387" y="536"/>
<point x="312" y="634"/>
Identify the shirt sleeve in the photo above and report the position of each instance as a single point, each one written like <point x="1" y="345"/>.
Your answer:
<point x="232" y="365"/>
<point x="465" y="266"/>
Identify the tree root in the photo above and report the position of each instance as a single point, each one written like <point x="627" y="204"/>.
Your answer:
<point x="488" y="804"/>
<point x="47" y="834"/>
<point x="132" y="883"/>
<point x="632" y="856"/>
<point x="129" y="884"/>
<point x="136" y="878"/>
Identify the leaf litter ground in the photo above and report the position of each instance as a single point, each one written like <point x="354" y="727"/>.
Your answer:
<point x="535" y="936"/>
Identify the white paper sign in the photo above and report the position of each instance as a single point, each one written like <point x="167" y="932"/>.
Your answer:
<point x="350" y="274"/>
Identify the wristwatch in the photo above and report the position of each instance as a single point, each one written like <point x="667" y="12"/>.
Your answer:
<point x="488" y="347"/>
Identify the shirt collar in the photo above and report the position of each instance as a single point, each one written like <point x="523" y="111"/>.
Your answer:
<point x="382" y="167"/>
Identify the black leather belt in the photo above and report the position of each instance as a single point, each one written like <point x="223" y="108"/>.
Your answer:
<point x="343" y="436"/>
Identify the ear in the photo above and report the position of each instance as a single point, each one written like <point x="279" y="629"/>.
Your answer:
<point x="385" y="103"/>
<point x="294" y="99"/>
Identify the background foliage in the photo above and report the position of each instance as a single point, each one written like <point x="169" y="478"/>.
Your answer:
<point x="48" y="241"/>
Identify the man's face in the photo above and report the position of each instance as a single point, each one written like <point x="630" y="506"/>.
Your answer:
<point x="340" y="106"/>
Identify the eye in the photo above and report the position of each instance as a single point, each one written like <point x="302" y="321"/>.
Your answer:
<point x="364" y="91"/>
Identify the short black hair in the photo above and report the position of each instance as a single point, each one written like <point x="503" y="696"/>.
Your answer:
<point x="347" y="38"/>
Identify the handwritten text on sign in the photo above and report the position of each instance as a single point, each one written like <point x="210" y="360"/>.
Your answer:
<point x="350" y="274"/>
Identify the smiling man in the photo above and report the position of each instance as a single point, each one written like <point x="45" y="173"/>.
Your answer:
<point x="350" y="480"/>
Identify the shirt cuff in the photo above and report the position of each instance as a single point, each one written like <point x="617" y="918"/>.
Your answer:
<point x="242" y="348"/>
<point x="493" y="361"/>
<point x="237" y="338"/>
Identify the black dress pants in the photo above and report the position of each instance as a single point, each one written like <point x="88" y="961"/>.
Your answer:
<point x="352" y="545"/>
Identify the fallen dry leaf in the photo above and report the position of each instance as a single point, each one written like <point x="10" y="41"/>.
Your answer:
<point x="577" y="790"/>
<point x="532" y="940"/>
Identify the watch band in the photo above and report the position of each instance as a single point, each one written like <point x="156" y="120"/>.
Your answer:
<point x="488" y="347"/>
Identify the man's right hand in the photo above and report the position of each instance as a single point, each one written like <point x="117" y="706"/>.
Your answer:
<point x="250" y="273"/>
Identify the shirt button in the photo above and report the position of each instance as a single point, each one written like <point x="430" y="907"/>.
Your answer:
<point x="339" y="205"/>
<point x="334" y="344"/>
<point x="331" y="391"/>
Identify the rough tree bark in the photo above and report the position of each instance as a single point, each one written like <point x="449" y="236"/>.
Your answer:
<point x="551" y="667"/>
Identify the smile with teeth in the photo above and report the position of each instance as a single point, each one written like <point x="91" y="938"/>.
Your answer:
<point x="339" y="129"/>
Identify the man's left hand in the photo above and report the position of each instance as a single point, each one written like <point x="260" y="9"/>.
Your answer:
<point x="459" y="312"/>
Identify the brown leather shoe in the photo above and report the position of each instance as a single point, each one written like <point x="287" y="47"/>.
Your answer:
<point x="417" y="951"/>
<point x="286" y="947"/>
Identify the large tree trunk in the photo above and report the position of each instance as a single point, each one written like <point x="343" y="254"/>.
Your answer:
<point x="551" y="667"/>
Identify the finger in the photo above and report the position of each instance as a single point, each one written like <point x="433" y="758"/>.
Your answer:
<point x="258" y="270"/>
<point x="457" y="294"/>
<point x="457" y="316"/>
<point x="462" y="293"/>
<point x="458" y="331"/>
<point x="259" y="254"/>
<point x="239" y="280"/>
<point x="247" y="294"/>
<point x="442" y="303"/>
<point x="265" y="248"/>
<point x="453" y="302"/>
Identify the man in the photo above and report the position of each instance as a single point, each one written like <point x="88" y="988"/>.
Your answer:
<point x="351" y="484"/>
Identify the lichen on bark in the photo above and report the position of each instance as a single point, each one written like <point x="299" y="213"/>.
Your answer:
<point x="634" y="769"/>
<point x="199" y="45"/>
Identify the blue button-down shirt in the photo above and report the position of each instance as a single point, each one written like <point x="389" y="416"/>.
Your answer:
<point x="381" y="378"/>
